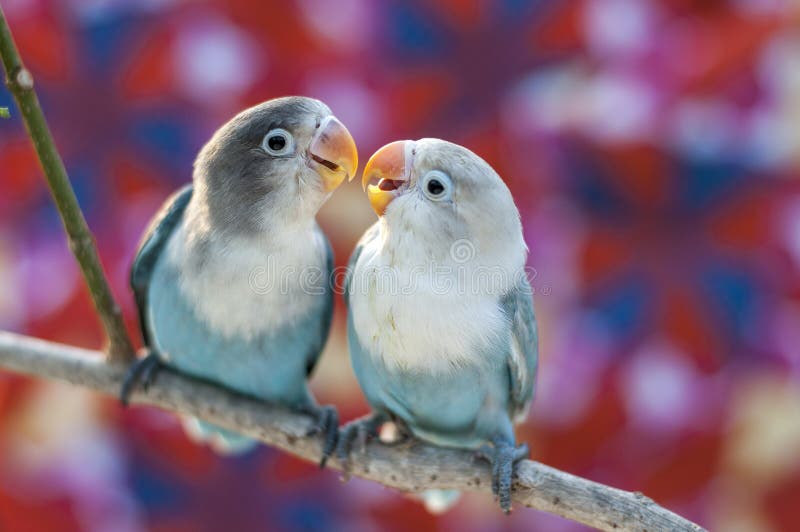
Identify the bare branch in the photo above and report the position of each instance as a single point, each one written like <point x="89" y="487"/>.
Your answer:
<point x="81" y="241"/>
<point x="407" y="467"/>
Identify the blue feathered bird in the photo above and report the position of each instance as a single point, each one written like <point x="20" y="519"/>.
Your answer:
<point x="231" y="278"/>
<point x="441" y="325"/>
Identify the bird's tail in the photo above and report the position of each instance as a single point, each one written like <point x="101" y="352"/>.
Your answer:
<point x="221" y="440"/>
<point x="439" y="501"/>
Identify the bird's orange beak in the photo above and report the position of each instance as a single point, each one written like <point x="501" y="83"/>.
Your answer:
<point x="390" y="167"/>
<point x="333" y="153"/>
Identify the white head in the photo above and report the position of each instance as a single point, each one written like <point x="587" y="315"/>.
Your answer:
<point x="434" y="196"/>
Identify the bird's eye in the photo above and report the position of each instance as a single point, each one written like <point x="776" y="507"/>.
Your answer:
<point x="278" y="142"/>
<point x="436" y="185"/>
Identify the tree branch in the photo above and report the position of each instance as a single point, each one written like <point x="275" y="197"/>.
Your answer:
<point x="408" y="467"/>
<point x="81" y="241"/>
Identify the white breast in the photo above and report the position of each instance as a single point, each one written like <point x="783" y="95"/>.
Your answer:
<point x="249" y="286"/>
<point x="411" y="320"/>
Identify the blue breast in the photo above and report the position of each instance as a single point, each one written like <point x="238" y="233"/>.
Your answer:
<point x="464" y="408"/>
<point x="272" y="366"/>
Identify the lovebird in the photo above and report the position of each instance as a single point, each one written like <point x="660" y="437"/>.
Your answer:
<point x="441" y="326"/>
<point x="231" y="277"/>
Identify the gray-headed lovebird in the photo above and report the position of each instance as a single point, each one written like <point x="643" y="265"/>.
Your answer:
<point x="231" y="278"/>
<point x="441" y="326"/>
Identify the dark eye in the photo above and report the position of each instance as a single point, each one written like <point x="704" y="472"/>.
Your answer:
<point x="278" y="142"/>
<point x="435" y="187"/>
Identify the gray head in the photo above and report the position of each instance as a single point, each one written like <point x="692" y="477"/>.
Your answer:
<point x="441" y="195"/>
<point x="279" y="160"/>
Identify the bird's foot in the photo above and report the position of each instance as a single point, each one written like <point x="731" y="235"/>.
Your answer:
<point x="358" y="431"/>
<point x="328" y="425"/>
<point x="142" y="372"/>
<point x="503" y="457"/>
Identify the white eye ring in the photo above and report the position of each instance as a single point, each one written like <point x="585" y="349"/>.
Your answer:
<point x="436" y="185"/>
<point x="272" y="143"/>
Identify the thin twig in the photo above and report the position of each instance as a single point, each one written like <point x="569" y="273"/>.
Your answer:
<point x="407" y="467"/>
<point x="81" y="241"/>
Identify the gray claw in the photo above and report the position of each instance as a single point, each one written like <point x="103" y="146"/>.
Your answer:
<point x="360" y="430"/>
<point x="502" y="458"/>
<point x="328" y="425"/>
<point x="142" y="372"/>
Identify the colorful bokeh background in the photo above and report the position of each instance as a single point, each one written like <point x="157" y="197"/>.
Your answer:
<point x="653" y="149"/>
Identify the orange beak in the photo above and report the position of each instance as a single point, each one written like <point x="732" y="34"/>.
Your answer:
<point x="390" y="167"/>
<point x="334" y="153"/>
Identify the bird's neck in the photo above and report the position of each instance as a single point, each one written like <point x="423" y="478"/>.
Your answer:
<point x="407" y="248"/>
<point x="487" y="266"/>
<point x="261" y="227"/>
<point x="243" y="284"/>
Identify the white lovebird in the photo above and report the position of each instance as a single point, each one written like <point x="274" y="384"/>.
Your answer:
<point x="441" y="325"/>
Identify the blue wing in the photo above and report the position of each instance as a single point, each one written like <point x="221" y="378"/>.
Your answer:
<point x="153" y="242"/>
<point x="522" y="359"/>
<point x="327" y="310"/>
<point x="369" y="235"/>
